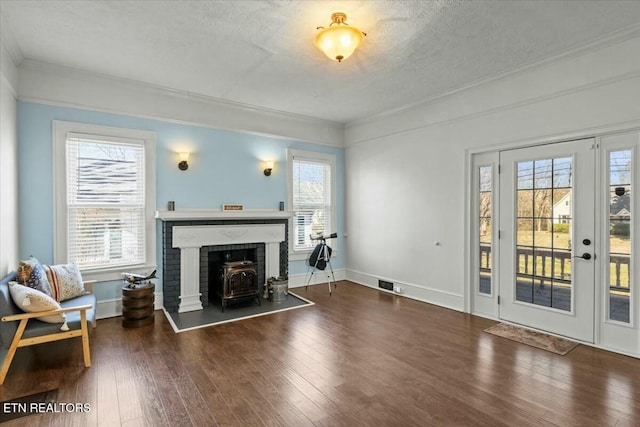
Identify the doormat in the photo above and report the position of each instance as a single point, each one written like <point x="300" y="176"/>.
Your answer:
<point x="213" y="315"/>
<point x="539" y="340"/>
<point x="28" y="405"/>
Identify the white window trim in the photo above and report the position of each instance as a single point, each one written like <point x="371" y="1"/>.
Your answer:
<point x="295" y="255"/>
<point x="60" y="131"/>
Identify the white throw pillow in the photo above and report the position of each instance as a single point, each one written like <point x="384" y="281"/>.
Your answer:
<point x="65" y="281"/>
<point x="32" y="301"/>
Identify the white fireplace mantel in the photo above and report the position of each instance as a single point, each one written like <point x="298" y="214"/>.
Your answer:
<point x="212" y="214"/>
<point x="190" y="238"/>
<point x="195" y="236"/>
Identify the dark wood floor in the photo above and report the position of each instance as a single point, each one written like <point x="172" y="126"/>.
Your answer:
<point x="358" y="358"/>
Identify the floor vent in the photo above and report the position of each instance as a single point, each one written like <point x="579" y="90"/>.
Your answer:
<point x="385" y="285"/>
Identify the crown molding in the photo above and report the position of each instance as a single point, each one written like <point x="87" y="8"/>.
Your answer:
<point x="573" y="74"/>
<point x="8" y="69"/>
<point x="53" y="84"/>
<point x="502" y="108"/>
<point x="9" y="41"/>
<point x="610" y="39"/>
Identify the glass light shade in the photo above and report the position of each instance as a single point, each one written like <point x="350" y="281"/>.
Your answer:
<point x="268" y="164"/>
<point x="339" y="42"/>
<point x="184" y="157"/>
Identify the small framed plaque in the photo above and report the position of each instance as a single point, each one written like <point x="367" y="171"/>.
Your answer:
<point x="232" y="207"/>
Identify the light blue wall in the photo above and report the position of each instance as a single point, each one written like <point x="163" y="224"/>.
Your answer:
<point x="224" y="167"/>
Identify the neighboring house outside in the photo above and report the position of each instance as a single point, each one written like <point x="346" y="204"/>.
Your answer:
<point x="562" y="210"/>
<point x="619" y="208"/>
<point x="622" y="214"/>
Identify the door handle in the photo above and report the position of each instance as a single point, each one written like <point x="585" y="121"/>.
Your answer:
<point x="585" y="255"/>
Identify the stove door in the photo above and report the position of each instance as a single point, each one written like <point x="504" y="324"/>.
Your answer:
<point x="241" y="282"/>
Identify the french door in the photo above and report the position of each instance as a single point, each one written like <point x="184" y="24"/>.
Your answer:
<point x="547" y="237"/>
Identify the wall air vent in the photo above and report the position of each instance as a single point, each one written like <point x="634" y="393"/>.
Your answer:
<point x="385" y="285"/>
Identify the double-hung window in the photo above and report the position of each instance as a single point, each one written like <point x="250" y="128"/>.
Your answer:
<point x="104" y="199"/>
<point x="311" y="178"/>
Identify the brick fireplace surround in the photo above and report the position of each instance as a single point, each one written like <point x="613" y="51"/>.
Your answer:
<point x="188" y="236"/>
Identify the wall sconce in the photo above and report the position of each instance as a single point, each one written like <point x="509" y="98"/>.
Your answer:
<point x="183" y="165"/>
<point x="268" y="166"/>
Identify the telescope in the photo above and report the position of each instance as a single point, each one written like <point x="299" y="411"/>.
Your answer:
<point x="323" y="237"/>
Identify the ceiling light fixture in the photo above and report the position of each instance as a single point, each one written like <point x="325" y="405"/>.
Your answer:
<point x="339" y="40"/>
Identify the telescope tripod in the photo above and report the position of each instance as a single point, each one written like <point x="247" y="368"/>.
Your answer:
<point x="323" y="259"/>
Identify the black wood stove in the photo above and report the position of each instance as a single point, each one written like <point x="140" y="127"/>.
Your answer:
<point x="238" y="280"/>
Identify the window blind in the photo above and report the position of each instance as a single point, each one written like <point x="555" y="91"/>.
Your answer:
<point x="105" y="201"/>
<point x="311" y="201"/>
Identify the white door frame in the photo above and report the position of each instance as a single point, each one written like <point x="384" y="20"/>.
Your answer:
<point x="469" y="230"/>
<point x="614" y="335"/>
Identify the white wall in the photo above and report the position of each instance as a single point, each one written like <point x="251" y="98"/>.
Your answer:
<point x="406" y="173"/>
<point x="8" y="163"/>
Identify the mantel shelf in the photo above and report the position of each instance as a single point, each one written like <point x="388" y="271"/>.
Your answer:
<point x="205" y="214"/>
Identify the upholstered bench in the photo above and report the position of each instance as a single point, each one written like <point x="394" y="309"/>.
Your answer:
<point x="20" y="329"/>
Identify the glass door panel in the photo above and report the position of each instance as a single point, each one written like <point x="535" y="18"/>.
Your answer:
<point x="619" y="243"/>
<point x="544" y="214"/>
<point x="547" y="223"/>
<point x="620" y="211"/>
<point x="485" y="210"/>
<point x="483" y="248"/>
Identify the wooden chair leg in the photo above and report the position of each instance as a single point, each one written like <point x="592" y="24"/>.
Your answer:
<point x="85" y="339"/>
<point x="12" y="350"/>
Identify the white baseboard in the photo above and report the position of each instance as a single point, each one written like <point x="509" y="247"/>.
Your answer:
<point x="113" y="307"/>
<point x="299" y="280"/>
<point x="410" y="290"/>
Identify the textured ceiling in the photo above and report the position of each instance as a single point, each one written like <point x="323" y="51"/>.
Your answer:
<point x="261" y="53"/>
